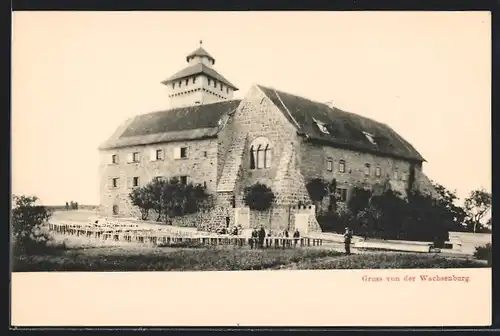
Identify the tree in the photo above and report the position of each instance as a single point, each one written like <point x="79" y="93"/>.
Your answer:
<point x="453" y="215"/>
<point x="317" y="189"/>
<point x="170" y="198"/>
<point x="142" y="198"/>
<point x="258" y="197"/>
<point x="477" y="205"/>
<point x="27" y="224"/>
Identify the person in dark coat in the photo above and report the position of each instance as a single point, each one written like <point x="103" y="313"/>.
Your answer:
<point x="253" y="239"/>
<point x="296" y="235"/>
<point x="286" y="241"/>
<point x="347" y="241"/>
<point x="262" y="236"/>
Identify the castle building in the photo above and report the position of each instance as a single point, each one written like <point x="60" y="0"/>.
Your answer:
<point x="272" y="137"/>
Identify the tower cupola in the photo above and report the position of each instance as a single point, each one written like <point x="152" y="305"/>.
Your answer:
<point x="199" y="82"/>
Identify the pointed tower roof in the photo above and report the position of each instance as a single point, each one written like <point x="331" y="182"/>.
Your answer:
<point x="200" y="52"/>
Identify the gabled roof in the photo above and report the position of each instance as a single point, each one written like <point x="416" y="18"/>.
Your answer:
<point x="345" y="129"/>
<point x="185" y="123"/>
<point x="199" y="68"/>
<point x="200" y="52"/>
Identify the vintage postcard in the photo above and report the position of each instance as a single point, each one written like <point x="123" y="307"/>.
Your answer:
<point x="251" y="169"/>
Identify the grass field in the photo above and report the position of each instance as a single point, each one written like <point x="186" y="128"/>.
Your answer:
<point x="119" y="258"/>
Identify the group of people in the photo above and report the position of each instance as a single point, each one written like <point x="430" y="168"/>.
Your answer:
<point x="257" y="237"/>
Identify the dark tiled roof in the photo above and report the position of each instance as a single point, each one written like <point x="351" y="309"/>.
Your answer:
<point x="185" y="123"/>
<point x="200" y="52"/>
<point x="345" y="129"/>
<point x="199" y="68"/>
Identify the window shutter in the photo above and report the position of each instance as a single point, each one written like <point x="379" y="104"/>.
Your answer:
<point x="130" y="157"/>
<point x="177" y="153"/>
<point x="110" y="159"/>
<point x="129" y="182"/>
<point x="152" y="154"/>
<point x="117" y="158"/>
<point x="110" y="182"/>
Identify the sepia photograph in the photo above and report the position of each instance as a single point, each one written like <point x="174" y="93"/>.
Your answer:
<point x="252" y="141"/>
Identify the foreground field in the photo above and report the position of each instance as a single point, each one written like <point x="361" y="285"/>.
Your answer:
<point x="223" y="259"/>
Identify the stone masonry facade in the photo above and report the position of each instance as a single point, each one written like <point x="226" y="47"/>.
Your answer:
<point x="223" y="165"/>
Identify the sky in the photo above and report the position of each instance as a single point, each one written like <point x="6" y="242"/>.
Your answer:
<point x="76" y="76"/>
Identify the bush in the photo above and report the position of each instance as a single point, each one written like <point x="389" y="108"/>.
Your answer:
<point x="259" y="197"/>
<point x="484" y="253"/>
<point x="28" y="219"/>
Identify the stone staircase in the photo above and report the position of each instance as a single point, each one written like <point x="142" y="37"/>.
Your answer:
<point x="232" y="164"/>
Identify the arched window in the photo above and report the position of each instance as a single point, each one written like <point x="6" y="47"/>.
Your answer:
<point x="260" y="153"/>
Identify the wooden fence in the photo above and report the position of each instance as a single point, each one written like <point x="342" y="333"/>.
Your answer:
<point x="134" y="233"/>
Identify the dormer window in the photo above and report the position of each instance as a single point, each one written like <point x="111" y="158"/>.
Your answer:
<point x="321" y="126"/>
<point x="370" y="137"/>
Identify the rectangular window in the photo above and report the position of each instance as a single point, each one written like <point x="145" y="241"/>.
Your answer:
<point x="209" y="81"/>
<point x="184" y="179"/>
<point x="205" y="153"/>
<point x="396" y="175"/>
<point x="378" y="171"/>
<point x="115" y="182"/>
<point x="329" y="165"/>
<point x="342" y="166"/>
<point x="114" y="159"/>
<point x="341" y="194"/>
<point x="159" y="154"/>
<point x="173" y="85"/>
<point x="194" y="80"/>
<point x="135" y="182"/>
<point x="187" y="81"/>
<point x="184" y="152"/>
<point x="135" y="157"/>
<point x="158" y="178"/>
<point x="367" y="169"/>
<point x="221" y="86"/>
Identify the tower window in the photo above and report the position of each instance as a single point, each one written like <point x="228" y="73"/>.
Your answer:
<point x="215" y="84"/>
<point x="367" y="169"/>
<point x="173" y="85"/>
<point x="396" y="175"/>
<point x="342" y="166"/>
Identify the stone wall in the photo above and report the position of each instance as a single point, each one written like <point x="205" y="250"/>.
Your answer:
<point x="313" y="164"/>
<point x="200" y="167"/>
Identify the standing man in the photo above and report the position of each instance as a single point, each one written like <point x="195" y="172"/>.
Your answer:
<point x="262" y="236"/>
<point x="296" y="235"/>
<point x="347" y="241"/>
